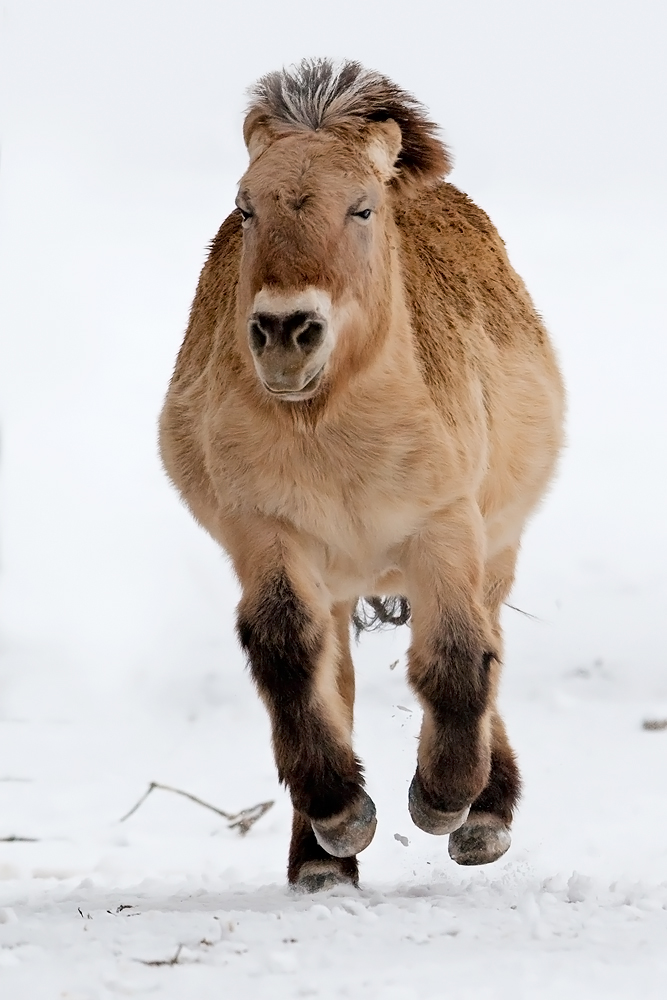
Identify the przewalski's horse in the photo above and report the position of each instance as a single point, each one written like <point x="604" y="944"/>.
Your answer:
<point x="365" y="403"/>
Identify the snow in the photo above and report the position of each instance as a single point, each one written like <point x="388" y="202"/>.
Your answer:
<point x="118" y="663"/>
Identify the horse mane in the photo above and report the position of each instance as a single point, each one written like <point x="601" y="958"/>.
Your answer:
<point x="318" y="94"/>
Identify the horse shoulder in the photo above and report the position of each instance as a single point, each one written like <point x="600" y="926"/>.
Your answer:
<point x="183" y="417"/>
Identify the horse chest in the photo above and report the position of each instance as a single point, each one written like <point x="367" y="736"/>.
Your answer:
<point x="355" y="496"/>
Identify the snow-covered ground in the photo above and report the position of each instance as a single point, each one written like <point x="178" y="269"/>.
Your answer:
<point x="118" y="663"/>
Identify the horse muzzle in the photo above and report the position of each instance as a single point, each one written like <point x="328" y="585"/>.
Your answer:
<point x="290" y="352"/>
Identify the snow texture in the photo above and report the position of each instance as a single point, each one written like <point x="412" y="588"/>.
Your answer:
<point x="121" y="147"/>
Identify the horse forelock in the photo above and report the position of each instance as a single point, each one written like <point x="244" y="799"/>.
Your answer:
<point x="322" y="95"/>
<point x="314" y="94"/>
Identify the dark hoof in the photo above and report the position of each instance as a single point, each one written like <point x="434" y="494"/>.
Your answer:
<point x="429" y="819"/>
<point x="349" y="831"/>
<point x="482" y="839"/>
<point x="315" y="876"/>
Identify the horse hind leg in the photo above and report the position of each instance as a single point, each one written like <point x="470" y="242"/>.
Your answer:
<point x="311" y="866"/>
<point x="485" y="836"/>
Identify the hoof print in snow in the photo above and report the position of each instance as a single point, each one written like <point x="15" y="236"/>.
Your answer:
<point x="482" y="839"/>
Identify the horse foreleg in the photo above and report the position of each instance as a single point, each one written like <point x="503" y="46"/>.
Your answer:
<point x="452" y="666"/>
<point x="292" y="642"/>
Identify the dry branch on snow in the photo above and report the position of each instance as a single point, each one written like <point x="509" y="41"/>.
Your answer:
<point x="241" y="821"/>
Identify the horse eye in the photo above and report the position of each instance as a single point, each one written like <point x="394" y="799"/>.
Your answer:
<point x="245" y="215"/>
<point x="365" y="214"/>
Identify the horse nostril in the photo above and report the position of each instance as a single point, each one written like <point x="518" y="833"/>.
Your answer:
<point x="297" y="332"/>
<point x="258" y="338"/>
<point x="311" y="337"/>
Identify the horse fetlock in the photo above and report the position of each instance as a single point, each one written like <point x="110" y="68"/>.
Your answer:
<point x="482" y="839"/>
<point x="349" y="831"/>
<point x="429" y="817"/>
<point x="316" y="876"/>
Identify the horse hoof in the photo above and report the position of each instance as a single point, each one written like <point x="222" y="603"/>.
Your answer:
<point x="429" y="819"/>
<point x="482" y="839"/>
<point x="349" y="831"/>
<point x="316" y="876"/>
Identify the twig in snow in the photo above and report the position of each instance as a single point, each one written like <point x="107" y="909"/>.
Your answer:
<point x="247" y="818"/>
<point x="15" y="840"/>
<point x="654" y="724"/>
<point x="164" y="961"/>
<point x="241" y="821"/>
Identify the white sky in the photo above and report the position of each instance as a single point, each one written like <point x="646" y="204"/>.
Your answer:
<point x="568" y="94"/>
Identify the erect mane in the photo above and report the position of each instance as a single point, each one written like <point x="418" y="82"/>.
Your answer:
<point x="317" y="94"/>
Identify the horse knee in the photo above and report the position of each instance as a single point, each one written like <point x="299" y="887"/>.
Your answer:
<point x="280" y="637"/>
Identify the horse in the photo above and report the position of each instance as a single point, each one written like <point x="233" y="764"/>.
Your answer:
<point x="366" y="405"/>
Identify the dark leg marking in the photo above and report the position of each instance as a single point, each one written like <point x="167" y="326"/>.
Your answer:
<point x="324" y="777"/>
<point x="485" y="836"/>
<point x="454" y="766"/>
<point x="504" y="788"/>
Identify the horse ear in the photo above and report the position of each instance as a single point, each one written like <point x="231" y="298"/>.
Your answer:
<point x="384" y="147"/>
<point x="406" y="153"/>
<point x="256" y="133"/>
